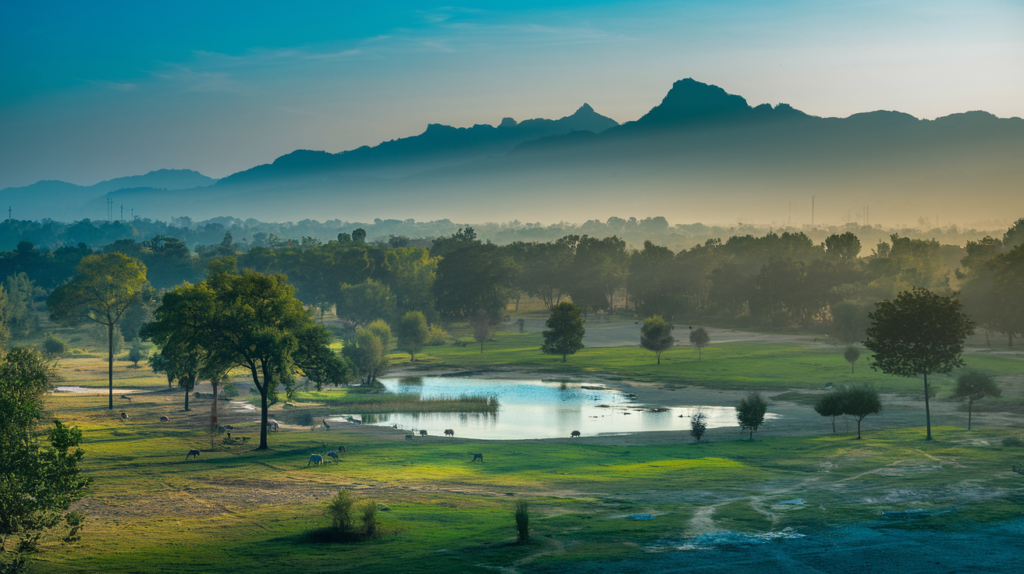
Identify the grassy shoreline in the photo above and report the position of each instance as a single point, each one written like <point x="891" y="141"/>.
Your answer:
<point x="363" y="402"/>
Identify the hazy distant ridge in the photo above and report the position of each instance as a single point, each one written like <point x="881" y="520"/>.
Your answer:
<point x="700" y="154"/>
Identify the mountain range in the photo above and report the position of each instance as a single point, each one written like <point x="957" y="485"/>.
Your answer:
<point x="701" y="154"/>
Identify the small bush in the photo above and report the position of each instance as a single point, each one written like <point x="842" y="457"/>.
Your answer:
<point x="304" y="418"/>
<point x="229" y="390"/>
<point x="436" y="336"/>
<point x="135" y="354"/>
<point x="1013" y="441"/>
<point x="698" y="425"/>
<point x="339" y="510"/>
<point x="423" y="433"/>
<point x="368" y="510"/>
<point x="522" y="513"/>
<point x="53" y="346"/>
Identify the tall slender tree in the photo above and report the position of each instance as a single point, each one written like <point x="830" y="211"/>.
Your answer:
<point x="656" y="335"/>
<point x="918" y="334"/>
<point x="103" y="288"/>
<point x="973" y="386"/>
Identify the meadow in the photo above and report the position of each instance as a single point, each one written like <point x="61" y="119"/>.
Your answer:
<point x="235" y="509"/>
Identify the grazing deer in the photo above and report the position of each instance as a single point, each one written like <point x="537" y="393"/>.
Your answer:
<point x="165" y="419"/>
<point x="193" y="453"/>
<point x="326" y="426"/>
<point x="449" y="432"/>
<point x="477" y="457"/>
<point x="341" y="448"/>
<point x="124" y="416"/>
<point x="574" y="434"/>
<point x="315" y="458"/>
<point x="333" y="454"/>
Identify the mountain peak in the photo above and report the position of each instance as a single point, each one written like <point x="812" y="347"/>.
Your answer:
<point x="585" y="109"/>
<point x="508" y="123"/>
<point x="693" y="102"/>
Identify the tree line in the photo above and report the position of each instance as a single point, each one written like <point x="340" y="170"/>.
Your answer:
<point x="776" y="281"/>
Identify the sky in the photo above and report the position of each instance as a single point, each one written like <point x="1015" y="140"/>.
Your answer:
<point x="96" y="90"/>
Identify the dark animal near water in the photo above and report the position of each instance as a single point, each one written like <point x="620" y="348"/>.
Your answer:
<point x="449" y="432"/>
<point x="574" y="434"/>
<point x="193" y="453"/>
<point x="477" y="457"/>
<point x="326" y="426"/>
<point x="315" y="458"/>
<point x="165" y="419"/>
<point x="423" y="433"/>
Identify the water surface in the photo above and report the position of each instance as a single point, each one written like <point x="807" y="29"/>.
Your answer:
<point x="539" y="409"/>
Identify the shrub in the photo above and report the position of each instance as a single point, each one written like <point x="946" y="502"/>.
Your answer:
<point x="304" y="418"/>
<point x="54" y="346"/>
<point x="698" y="425"/>
<point x="436" y="336"/>
<point x="1013" y="441"/>
<point x="522" y="513"/>
<point x="135" y="354"/>
<point x="368" y="510"/>
<point x="339" y="510"/>
<point x="423" y="433"/>
<point x="750" y="412"/>
<point x="229" y="390"/>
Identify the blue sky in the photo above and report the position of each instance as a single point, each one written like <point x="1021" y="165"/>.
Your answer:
<point x="92" y="91"/>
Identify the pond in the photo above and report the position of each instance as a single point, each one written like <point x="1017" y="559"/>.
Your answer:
<point x="532" y="409"/>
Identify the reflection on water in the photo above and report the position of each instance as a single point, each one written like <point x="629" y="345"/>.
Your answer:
<point x="537" y="409"/>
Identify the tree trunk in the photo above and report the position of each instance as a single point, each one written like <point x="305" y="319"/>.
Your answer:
<point x="517" y="302"/>
<point x="851" y="368"/>
<point x="263" y="404"/>
<point x="987" y="341"/>
<point x="412" y="357"/>
<point x="563" y="357"/>
<point x="698" y="354"/>
<point x="858" y="429"/>
<point x="110" y="363"/>
<point x="833" y="425"/>
<point x="213" y="408"/>
<point x="186" y="399"/>
<point x="659" y="358"/>
<point x="927" y="410"/>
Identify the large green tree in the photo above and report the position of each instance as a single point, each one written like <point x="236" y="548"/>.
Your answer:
<point x="656" y="335"/>
<point x="258" y="325"/>
<point x="470" y="276"/>
<point x="565" y="330"/>
<point x="102" y="290"/>
<point x="38" y="483"/>
<point x="918" y="334"/>
<point x="182" y="329"/>
<point x="413" y="333"/>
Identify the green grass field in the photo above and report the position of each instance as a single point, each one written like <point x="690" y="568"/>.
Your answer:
<point x="240" y="510"/>
<point x="235" y="509"/>
<point x="763" y="366"/>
